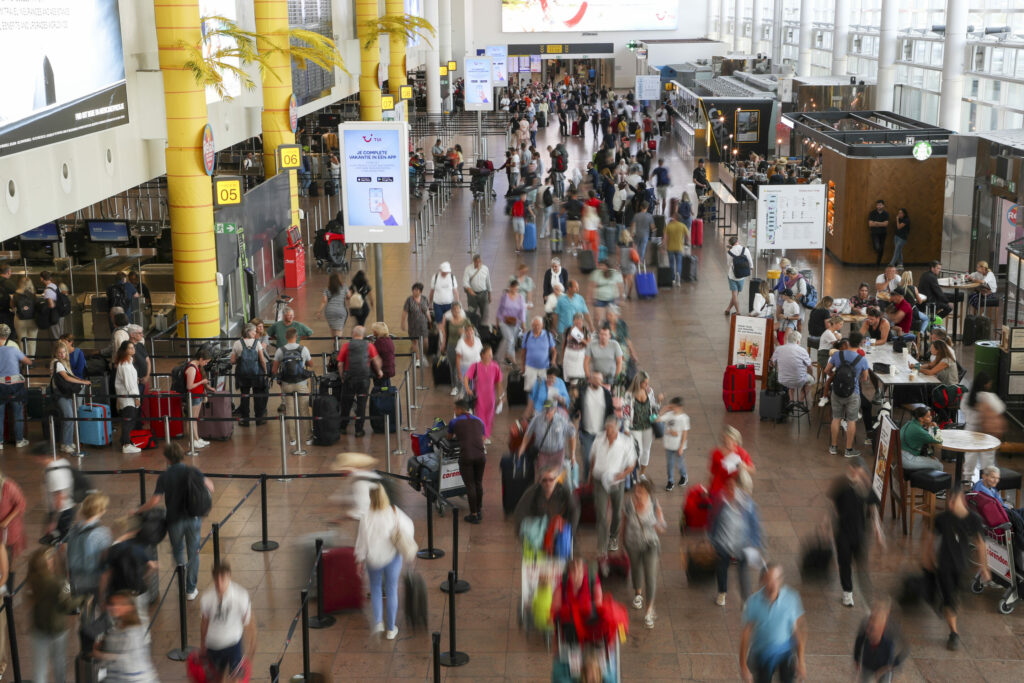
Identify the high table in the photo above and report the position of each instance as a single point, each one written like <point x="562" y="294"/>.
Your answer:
<point x="854" y="320"/>
<point x="961" y="441"/>
<point x="947" y="283"/>
<point x="728" y="202"/>
<point x="899" y="370"/>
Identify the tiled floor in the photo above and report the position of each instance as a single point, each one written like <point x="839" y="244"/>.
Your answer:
<point x="680" y="338"/>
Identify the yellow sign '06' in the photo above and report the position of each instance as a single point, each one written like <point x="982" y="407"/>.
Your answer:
<point x="289" y="157"/>
<point x="227" y="191"/>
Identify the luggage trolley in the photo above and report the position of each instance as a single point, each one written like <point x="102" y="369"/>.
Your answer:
<point x="438" y="466"/>
<point x="1002" y="559"/>
<point x="570" y="656"/>
<point x="539" y="568"/>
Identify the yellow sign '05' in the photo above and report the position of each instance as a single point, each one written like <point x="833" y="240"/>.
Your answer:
<point x="227" y="191"/>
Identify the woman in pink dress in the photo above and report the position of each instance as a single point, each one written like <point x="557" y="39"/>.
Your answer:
<point x="484" y="380"/>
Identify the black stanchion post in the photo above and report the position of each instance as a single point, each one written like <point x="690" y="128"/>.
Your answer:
<point x="275" y="673"/>
<point x="452" y="657"/>
<point x="435" y="640"/>
<point x="460" y="585"/>
<point x="306" y="676"/>
<point x="12" y="636"/>
<point x="215" y="530"/>
<point x="264" y="545"/>
<point x="142" y="487"/>
<point x="321" y="620"/>
<point x="430" y="552"/>
<point x="181" y="654"/>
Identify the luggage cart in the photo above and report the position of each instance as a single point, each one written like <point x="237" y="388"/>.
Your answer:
<point x="439" y="467"/>
<point x="537" y="568"/>
<point x="570" y="655"/>
<point x="1002" y="563"/>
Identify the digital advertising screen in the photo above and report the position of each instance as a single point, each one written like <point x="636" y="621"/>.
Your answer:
<point x="540" y="16"/>
<point x="61" y="71"/>
<point x="375" y="159"/>
<point x="499" y="66"/>
<point x="47" y="232"/>
<point x="479" y="89"/>
<point x="108" y="231"/>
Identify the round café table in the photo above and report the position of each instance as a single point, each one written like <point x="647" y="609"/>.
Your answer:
<point x="960" y="441"/>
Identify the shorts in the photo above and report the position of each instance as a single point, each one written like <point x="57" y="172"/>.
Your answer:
<point x="227" y="659"/>
<point x="604" y="304"/>
<point x="573" y="227"/>
<point x="846" y="408"/>
<point x="440" y="310"/>
<point x="736" y="285"/>
<point x="518" y="225"/>
<point x="197" y="400"/>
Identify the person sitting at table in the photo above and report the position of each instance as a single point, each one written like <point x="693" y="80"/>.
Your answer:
<point x="901" y="313"/>
<point x="828" y="339"/>
<point x="988" y="287"/>
<point x="875" y="327"/>
<point x="916" y="300"/>
<point x="764" y="302"/>
<point x="916" y="437"/>
<point x="862" y="300"/>
<point x="789" y="315"/>
<point x="887" y="281"/>
<point x="929" y="286"/>
<point x="942" y="364"/>
<point x="792" y="362"/>
<point x="817" y="318"/>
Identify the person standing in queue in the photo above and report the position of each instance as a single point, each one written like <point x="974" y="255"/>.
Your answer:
<point x="878" y="226"/>
<point x="468" y="430"/>
<point x="13" y="388"/>
<point x="358" y="358"/>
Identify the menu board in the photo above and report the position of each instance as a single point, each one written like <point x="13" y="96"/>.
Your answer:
<point x="750" y="342"/>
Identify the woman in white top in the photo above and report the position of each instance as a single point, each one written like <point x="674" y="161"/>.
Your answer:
<point x="444" y="290"/>
<point x="61" y="367"/>
<point x="988" y="288"/>
<point x="376" y="551"/>
<point x="468" y="350"/>
<point x="983" y="412"/>
<point x="764" y="302"/>
<point x="126" y="385"/>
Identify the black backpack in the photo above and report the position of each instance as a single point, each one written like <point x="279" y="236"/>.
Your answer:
<point x="127" y="568"/>
<point x="740" y="264"/>
<point x="178" y="384"/>
<point x="63" y="304"/>
<point x="44" y="314"/>
<point x="117" y="296"/>
<point x="292" y="369"/>
<point x="25" y="305"/>
<point x="248" y="362"/>
<point x="844" y="383"/>
<point x="198" y="500"/>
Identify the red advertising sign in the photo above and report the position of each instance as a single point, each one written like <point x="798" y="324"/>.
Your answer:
<point x="209" y="152"/>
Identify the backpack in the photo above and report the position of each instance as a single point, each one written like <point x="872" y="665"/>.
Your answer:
<point x="248" y="362"/>
<point x="519" y="209"/>
<point x="117" y="297"/>
<point x="132" y="574"/>
<point x="845" y="381"/>
<point x="83" y="565"/>
<point x="558" y="163"/>
<point x="178" y="384"/>
<point x="811" y="298"/>
<point x="548" y="199"/>
<point x="198" y="500"/>
<point x="44" y="314"/>
<point x="293" y="368"/>
<point x="153" y="526"/>
<point x="740" y="264"/>
<point x="25" y="305"/>
<point x="63" y="304"/>
<point x="80" y="486"/>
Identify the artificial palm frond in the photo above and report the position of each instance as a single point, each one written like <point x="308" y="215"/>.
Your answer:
<point x="315" y="48"/>
<point x="403" y="26"/>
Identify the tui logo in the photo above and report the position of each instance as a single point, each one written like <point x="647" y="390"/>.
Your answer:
<point x="370" y="138"/>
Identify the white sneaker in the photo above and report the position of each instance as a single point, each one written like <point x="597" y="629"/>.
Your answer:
<point x="720" y="600"/>
<point x="21" y="444"/>
<point x="67" y="449"/>
<point x="649" y="620"/>
<point x="848" y="599"/>
<point x="454" y="392"/>
<point x="378" y="627"/>
<point x="638" y="602"/>
<point x="392" y="634"/>
<point x="823" y="401"/>
<point x="129" y="449"/>
<point x="193" y="595"/>
<point x="613" y="544"/>
<point x="200" y="443"/>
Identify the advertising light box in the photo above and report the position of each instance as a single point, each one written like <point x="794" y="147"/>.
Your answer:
<point x="479" y="89"/>
<point x="374" y="188"/>
<point x="499" y="66"/>
<point x="589" y="15"/>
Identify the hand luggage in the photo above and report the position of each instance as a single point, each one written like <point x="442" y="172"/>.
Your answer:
<point x="665" y="276"/>
<point x="586" y="261"/>
<point x="976" y="328"/>
<point x="530" y="237"/>
<point x="618" y="565"/>
<point x="689" y="268"/>
<point x="36" y="407"/>
<point x="142" y="438"/>
<point x="557" y="232"/>
<point x="99" y="390"/>
<point x="575" y="127"/>
<point x="771" y="405"/>
<point x="515" y="389"/>
<point x="489" y="336"/>
<point x="159" y="404"/>
<point x="441" y="371"/>
<point x="610" y="238"/>
<point x="738" y="390"/>
<point x="416" y="613"/>
<point x="816" y="558"/>
<point x="314" y="189"/>
<point x="212" y="424"/>
<point x="697" y="232"/>
<point x="699" y="561"/>
<point x="330" y="189"/>
<point x="343" y="584"/>
<point x="516" y="477"/>
<point x="382" y="402"/>
<point x="585" y="498"/>
<point x="88" y="669"/>
<point x="696" y="509"/>
<point x="515" y="434"/>
<point x="94" y="429"/>
<point x="646" y="285"/>
<point x="326" y="420"/>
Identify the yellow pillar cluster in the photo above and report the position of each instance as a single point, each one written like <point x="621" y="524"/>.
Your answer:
<point x="272" y="29"/>
<point x="396" y="64"/>
<point x="189" y="190"/>
<point x="367" y="12"/>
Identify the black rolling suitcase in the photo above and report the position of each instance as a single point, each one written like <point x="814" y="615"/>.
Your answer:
<point x="771" y="404"/>
<point x="976" y="328"/>
<point x="689" y="268"/>
<point x="382" y="403"/>
<point x="586" y="261"/>
<point x="665" y="276"/>
<point x="442" y="373"/>
<point x="326" y="420"/>
<point x="515" y="389"/>
<point x="516" y="477"/>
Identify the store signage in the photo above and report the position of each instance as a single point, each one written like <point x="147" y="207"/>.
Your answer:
<point x="444" y="70"/>
<point x="227" y="190"/>
<point x="560" y="49"/>
<point x="209" y="151"/>
<point x="289" y="157"/>
<point x="375" y="194"/>
<point x="479" y="88"/>
<point x="451" y="66"/>
<point x="922" y="150"/>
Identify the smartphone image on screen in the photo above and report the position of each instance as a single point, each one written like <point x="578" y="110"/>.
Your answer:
<point x="376" y="199"/>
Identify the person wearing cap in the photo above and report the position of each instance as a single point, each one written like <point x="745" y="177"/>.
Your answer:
<point x="549" y="497"/>
<point x="468" y="430"/>
<point x="550" y="432"/>
<point x="556" y="273"/>
<point x="476" y="279"/>
<point x="574" y="349"/>
<point x="552" y="388"/>
<point x="13" y="390"/>
<point x="444" y="291"/>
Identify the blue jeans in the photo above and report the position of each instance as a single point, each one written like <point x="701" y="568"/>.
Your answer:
<point x="897" y="251"/>
<point x="49" y="649"/>
<point x="641" y="248"/>
<point x="675" y="261"/>
<point x="67" y="428"/>
<point x="184" y="535"/>
<point x="388" y="574"/>
<point x="675" y="463"/>
<point x="13" y="395"/>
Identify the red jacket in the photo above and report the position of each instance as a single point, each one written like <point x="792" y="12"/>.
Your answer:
<point x="719" y="474"/>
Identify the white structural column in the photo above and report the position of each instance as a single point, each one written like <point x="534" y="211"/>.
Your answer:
<point x="953" y="53"/>
<point x="840" y="37"/>
<point x="803" y="65"/>
<point x="778" y="28"/>
<point x="444" y="29"/>
<point x="887" y="54"/>
<point x="433" y="61"/>
<point x="710" y="18"/>
<point x="755" y="27"/>
<point x="737" y="27"/>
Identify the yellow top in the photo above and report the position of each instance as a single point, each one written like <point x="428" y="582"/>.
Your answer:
<point x="676" y="236"/>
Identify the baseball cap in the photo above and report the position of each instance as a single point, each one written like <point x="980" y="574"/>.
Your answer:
<point x="446" y="267"/>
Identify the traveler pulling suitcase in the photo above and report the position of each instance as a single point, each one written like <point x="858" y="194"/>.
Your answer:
<point x="697" y="232"/>
<point x="326" y="420"/>
<point x="738" y="390"/>
<point x="343" y="584"/>
<point x="516" y="477"/>
<point x="690" y="265"/>
<point x="382" y="402"/>
<point x="646" y="285"/>
<point x="215" y="420"/>
<point x="530" y="237"/>
<point x="94" y="429"/>
<point x="771" y="405"/>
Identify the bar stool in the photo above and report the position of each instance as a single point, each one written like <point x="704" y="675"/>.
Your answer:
<point x="1010" y="480"/>
<point x="928" y="483"/>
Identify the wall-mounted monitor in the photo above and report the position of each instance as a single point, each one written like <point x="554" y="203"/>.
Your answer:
<point x="108" y="231"/>
<point x="47" y="232"/>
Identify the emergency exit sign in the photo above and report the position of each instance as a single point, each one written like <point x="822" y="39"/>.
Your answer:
<point x="225" y="228"/>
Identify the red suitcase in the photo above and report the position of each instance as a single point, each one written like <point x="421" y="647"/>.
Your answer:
<point x="696" y="508"/>
<point x="697" y="232"/>
<point x="160" y="403"/>
<point x="343" y="585"/>
<point x="738" y="388"/>
<point x="575" y="127"/>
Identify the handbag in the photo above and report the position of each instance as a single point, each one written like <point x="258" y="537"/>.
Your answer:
<point x="63" y="387"/>
<point x="404" y="544"/>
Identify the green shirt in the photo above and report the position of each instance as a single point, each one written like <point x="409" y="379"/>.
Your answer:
<point x="914" y="437"/>
<point x="606" y="288"/>
<point x="279" y="329"/>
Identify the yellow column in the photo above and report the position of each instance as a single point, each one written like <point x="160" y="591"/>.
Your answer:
<point x="369" y="60"/>
<point x="189" y="190"/>
<point x="272" y="26"/>
<point x="396" y="66"/>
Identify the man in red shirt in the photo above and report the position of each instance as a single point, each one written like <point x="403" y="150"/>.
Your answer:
<point x="903" y="316"/>
<point x="356" y="359"/>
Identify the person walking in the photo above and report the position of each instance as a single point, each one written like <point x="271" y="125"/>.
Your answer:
<point x="358" y="359"/>
<point x="774" y="632"/>
<point x="612" y="460"/>
<point x="13" y="391"/>
<point x="676" y="237"/>
<point x="735" y="533"/>
<point x="468" y="351"/>
<point x="87" y="543"/>
<point x="593" y="406"/>
<point x="641" y="409"/>
<point x="476" y="279"/>
<point x="676" y="424"/>
<point x="856" y="507"/>
<point x="416" y="317"/>
<point x="511" y="315"/>
<point x="64" y="385"/>
<point x="551" y="433"/>
<point x="483" y="381"/>
<point x="227" y="630"/>
<point x="377" y="552"/>
<point x="126" y="385"/>
<point x="728" y="458"/>
<point x="878" y="648"/>
<point x="52" y="604"/>
<point x="124" y="647"/>
<point x="455" y="322"/>
<point x="538" y="353"/>
<point x="468" y="430"/>
<point x="644" y="521"/>
<point x="251" y="378"/>
<point x="334" y="306"/>
<point x="740" y="262"/>
<point x="292" y="367"/>
<point x="662" y="182"/>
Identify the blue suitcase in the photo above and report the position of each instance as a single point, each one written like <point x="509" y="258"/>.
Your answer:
<point x="530" y="237"/>
<point x="94" y="430"/>
<point x="646" y="285"/>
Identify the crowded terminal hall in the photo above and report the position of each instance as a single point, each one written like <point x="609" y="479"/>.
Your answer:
<point x="359" y="341"/>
